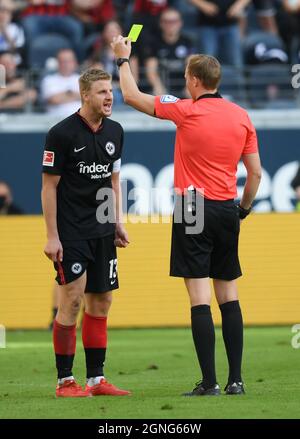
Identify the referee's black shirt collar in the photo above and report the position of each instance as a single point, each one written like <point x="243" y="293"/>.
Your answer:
<point x="209" y="95"/>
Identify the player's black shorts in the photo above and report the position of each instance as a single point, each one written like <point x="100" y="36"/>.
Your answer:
<point x="213" y="252"/>
<point x="98" y="257"/>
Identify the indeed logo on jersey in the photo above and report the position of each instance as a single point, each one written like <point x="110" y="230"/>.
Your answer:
<point x="96" y="170"/>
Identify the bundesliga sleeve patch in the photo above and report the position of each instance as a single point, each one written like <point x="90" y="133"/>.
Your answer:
<point x="48" y="159"/>
<point x="168" y="99"/>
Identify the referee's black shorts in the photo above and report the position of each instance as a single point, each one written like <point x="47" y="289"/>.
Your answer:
<point x="213" y="252"/>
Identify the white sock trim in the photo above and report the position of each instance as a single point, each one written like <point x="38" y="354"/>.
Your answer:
<point x="94" y="380"/>
<point x="62" y="380"/>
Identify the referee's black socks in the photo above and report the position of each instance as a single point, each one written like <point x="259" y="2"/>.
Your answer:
<point x="232" y="328"/>
<point x="204" y="339"/>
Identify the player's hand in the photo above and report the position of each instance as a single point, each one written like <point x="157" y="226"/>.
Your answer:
<point x="54" y="250"/>
<point x="121" y="47"/>
<point x="121" y="236"/>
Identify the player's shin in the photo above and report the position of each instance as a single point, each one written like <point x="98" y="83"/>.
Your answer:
<point x="94" y="338"/>
<point x="64" y="340"/>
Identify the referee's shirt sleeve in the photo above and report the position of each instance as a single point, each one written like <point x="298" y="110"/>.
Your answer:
<point x="251" y="145"/>
<point x="55" y="153"/>
<point x="170" y="108"/>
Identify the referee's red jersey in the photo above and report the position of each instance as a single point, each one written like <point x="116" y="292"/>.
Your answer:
<point x="212" y="134"/>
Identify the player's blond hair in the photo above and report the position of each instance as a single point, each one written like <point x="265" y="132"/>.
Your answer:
<point x="206" y="68"/>
<point x="92" y="75"/>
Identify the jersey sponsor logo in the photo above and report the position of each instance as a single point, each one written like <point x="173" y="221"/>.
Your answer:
<point x="110" y="148"/>
<point x="168" y="99"/>
<point x="48" y="159"/>
<point x="79" y="149"/>
<point x="76" y="268"/>
<point x="92" y="169"/>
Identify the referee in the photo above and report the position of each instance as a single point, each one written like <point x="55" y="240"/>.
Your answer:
<point x="81" y="164"/>
<point x="212" y="135"/>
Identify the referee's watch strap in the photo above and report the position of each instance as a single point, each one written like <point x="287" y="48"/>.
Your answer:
<point x="121" y="61"/>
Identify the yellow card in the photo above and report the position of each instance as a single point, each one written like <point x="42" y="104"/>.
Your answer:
<point x="135" y="32"/>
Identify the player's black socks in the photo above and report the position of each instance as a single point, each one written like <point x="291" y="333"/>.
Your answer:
<point x="204" y="339"/>
<point x="94" y="358"/>
<point x="232" y="328"/>
<point x="64" y="364"/>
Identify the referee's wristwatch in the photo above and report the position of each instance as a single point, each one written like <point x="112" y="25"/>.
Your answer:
<point x="243" y="212"/>
<point x="121" y="61"/>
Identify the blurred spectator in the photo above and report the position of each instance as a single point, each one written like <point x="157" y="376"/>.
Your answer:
<point x="61" y="90"/>
<point x="93" y="13"/>
<point x="7" y="207"/>
<point x="264" y="47"/>
<point x="147" y="12"/>
<point x="167" y="55"/>
<point x="296" y="186"/>
<point x="219" y="29"/>
<point x="11" y="35"/>
<point x="124" y="9"/>
<point x="104" y="56"/>
<point x="52" y="16"/>
<point x="292" y="6"/>
<point x="16" y="95"/>
<point x="265" y="12"/>
<point x="292" y="10"/>
<point x="269" y="78"/>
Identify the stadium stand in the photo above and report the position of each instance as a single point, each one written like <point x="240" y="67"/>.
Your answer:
<point x="269" y="34"/>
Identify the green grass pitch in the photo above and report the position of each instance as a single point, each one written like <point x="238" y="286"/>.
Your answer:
<point x="157" y="365"/>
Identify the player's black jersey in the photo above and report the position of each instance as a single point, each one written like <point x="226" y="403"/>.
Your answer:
<point x="84" y="159"/>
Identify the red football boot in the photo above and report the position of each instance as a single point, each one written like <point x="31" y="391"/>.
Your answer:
<point x="69" y="389"/>
<point x="105" y="388"/>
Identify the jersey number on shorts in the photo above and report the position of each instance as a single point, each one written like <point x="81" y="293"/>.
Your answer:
<point x="113" y="268"/>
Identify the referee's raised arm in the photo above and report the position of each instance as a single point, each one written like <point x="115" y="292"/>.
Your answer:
<point x="131" y="93"/>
